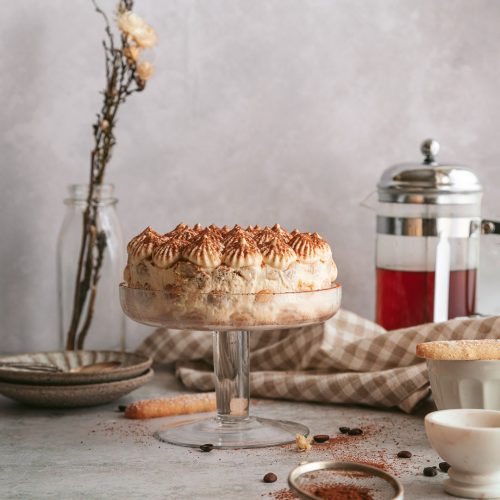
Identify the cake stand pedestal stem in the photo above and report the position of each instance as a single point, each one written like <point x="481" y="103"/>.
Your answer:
<point x="232" y="370"/>
<point x="232" y="426"/>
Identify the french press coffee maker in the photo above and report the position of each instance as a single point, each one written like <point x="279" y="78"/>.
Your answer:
<point x="427" y="249"/>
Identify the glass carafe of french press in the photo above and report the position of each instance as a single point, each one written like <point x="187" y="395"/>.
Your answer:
<point x="427" y="249"/>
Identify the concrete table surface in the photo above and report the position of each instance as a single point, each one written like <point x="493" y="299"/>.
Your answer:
<point x="97" y="453"/>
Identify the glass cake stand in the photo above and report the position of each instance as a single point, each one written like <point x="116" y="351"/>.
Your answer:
<point x="231" y="317"/>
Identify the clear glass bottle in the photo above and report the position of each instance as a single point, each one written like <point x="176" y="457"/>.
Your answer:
<point x="107" y="328"/>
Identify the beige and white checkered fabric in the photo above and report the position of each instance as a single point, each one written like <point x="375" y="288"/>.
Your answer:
<point x="346" y="360"/>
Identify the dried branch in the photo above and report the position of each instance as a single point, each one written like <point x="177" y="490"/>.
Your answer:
<point x="122" y="72"/>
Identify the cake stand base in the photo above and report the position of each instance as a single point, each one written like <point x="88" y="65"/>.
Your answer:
<point x="249" y="432"/>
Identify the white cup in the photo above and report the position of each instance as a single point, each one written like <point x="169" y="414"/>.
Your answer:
<point x="469" y="440"/>
<point x="465" y="384"/>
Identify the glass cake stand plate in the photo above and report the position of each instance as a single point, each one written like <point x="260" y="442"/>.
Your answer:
<point x="231" y="318"/>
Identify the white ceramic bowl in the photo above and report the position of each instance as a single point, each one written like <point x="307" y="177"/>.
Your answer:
<point x="465" y="384"/>
<point x="469" y="440"/>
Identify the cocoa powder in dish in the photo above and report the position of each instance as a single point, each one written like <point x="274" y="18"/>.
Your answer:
<point x="328" y="492"/>
<point x="341" y="492"/>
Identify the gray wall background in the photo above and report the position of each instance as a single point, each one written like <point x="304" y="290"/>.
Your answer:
<point x="260" y="111"/>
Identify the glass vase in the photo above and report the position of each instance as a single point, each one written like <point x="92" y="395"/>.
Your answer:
<point x="107" y="321"/>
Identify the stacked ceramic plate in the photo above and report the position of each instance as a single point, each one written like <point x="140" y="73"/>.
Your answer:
<point x="70" y="379"/>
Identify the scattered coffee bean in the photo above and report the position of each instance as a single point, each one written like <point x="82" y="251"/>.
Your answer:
<point x="207" y="447"/>
<point x="270" y="477"/>
<point x="344" y="430"/>
<point x="404" y="454"/>
<point x="321" y="438"/>
<point x="355" y="432"/>
<point x="444" y="466"/>
<point x="430" y="471"/>
<point x="122" y="407"/>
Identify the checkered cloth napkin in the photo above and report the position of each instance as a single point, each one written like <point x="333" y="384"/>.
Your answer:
<point x="348" y="359"/>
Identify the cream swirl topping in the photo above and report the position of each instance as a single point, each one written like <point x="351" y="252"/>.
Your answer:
<point x="266" y="235"/>
<point x="253" y="229"/>
<point x="211" y="231"/>
<point x="276" y="253"/>
<point x="169" y="252"/>
<point x="323" y="247"/>
<point x="283" y="233"/>
<point x="235" y="234"/>
<point x="236" y="247"/>
<point x="236" y="228"/>
<point x="182" y="231"/>
<point x="242" y="253"/>
<point x="306" y="248"/>
<point x="204" y="251"/>
<point x="216" y="232"/>
<point x="141" y="246"/>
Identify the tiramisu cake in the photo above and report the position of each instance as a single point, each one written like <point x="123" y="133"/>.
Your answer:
<point x="232" y="276"/>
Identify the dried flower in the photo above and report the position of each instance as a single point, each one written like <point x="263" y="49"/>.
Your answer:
<point x="132" y="53"/>
<point x="303" y="443"/>
<point x="145" y="70"/>
<point x="136" y="28"/>
<point x="123" y="78"/>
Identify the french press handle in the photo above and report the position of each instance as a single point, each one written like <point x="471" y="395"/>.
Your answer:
<point x="488" y="279"/>
<point x="490" y="227"/>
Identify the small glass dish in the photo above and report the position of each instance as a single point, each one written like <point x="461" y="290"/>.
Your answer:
<point x="231" y="317"/>
<point x="224" y="311"/>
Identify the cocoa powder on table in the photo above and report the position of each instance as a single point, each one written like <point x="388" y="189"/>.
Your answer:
<point x="284" y="494"/>
<point x="346" y="448"/>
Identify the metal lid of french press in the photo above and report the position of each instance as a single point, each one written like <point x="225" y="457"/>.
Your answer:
<point x="429" y="182"/>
